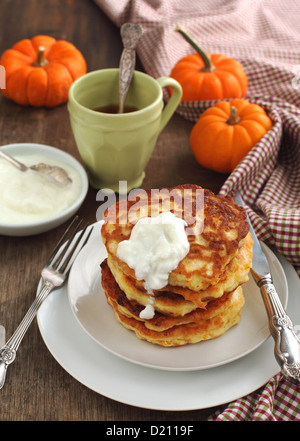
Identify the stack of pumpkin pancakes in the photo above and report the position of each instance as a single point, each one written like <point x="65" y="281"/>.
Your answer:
<point x="203" y="298"/>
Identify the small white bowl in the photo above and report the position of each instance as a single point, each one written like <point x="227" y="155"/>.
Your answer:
<point x="40" y="226"/>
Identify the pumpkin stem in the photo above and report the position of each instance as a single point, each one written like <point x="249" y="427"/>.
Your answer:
<point x="208" y="65"/>
<point x="234" y="116"/>
<point x="40" y="60"/>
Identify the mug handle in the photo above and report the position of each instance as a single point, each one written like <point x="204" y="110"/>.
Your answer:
<point x="173" y="102"/>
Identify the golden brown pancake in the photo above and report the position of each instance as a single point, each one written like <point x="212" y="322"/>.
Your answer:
<point x="235" y="274"/>
<point x="166" y="302"/>
<point x="160" y="322"/>
<point x="203" y="298"/>
<point x="190" y="333"/>
<point x="224" y="231"/>
<point x="224" y="314"/>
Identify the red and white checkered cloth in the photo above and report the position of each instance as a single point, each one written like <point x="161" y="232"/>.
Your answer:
<point x="265" y="37"/>
<point x="277" y="401"/>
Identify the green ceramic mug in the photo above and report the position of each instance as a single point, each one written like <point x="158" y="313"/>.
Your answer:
<point x="117" y="147"/>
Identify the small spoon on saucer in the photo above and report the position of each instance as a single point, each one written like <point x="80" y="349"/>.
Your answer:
<point x="57" y="174"/>
<point x="130" y="34"/>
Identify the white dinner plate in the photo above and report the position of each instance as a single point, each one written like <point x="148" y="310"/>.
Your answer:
<point x="130" y="383"/>
<point x="89" y="305"/>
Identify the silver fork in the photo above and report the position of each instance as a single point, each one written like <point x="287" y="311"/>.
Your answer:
<point x="54" y="274"/>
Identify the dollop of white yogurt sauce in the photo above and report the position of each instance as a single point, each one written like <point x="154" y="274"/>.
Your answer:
<point x="29" y="196"/>
<point x="154" y="249"/>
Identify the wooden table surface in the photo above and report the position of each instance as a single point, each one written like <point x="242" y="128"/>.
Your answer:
<point x="37" y="388"/>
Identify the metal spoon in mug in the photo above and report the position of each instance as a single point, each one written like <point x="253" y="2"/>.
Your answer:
<point x="57" y="174"/>
<point x="130" y="36"/>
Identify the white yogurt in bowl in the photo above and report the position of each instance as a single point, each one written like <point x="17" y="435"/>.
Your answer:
<point x="31" y="203"/>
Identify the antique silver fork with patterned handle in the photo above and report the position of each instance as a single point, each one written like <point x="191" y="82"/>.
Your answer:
<point x="54" y="274"/>
<point x="287" y="344"/>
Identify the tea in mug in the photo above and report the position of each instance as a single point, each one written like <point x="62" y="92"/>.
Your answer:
<point x="114" y="108"/>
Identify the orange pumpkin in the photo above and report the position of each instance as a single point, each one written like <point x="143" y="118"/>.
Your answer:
<point x="209" y="77"/>
<point x="226" y="132"/>
<point x="40" y="71"/>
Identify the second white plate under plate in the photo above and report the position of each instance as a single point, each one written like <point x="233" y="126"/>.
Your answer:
<point x="96" y="317"/>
